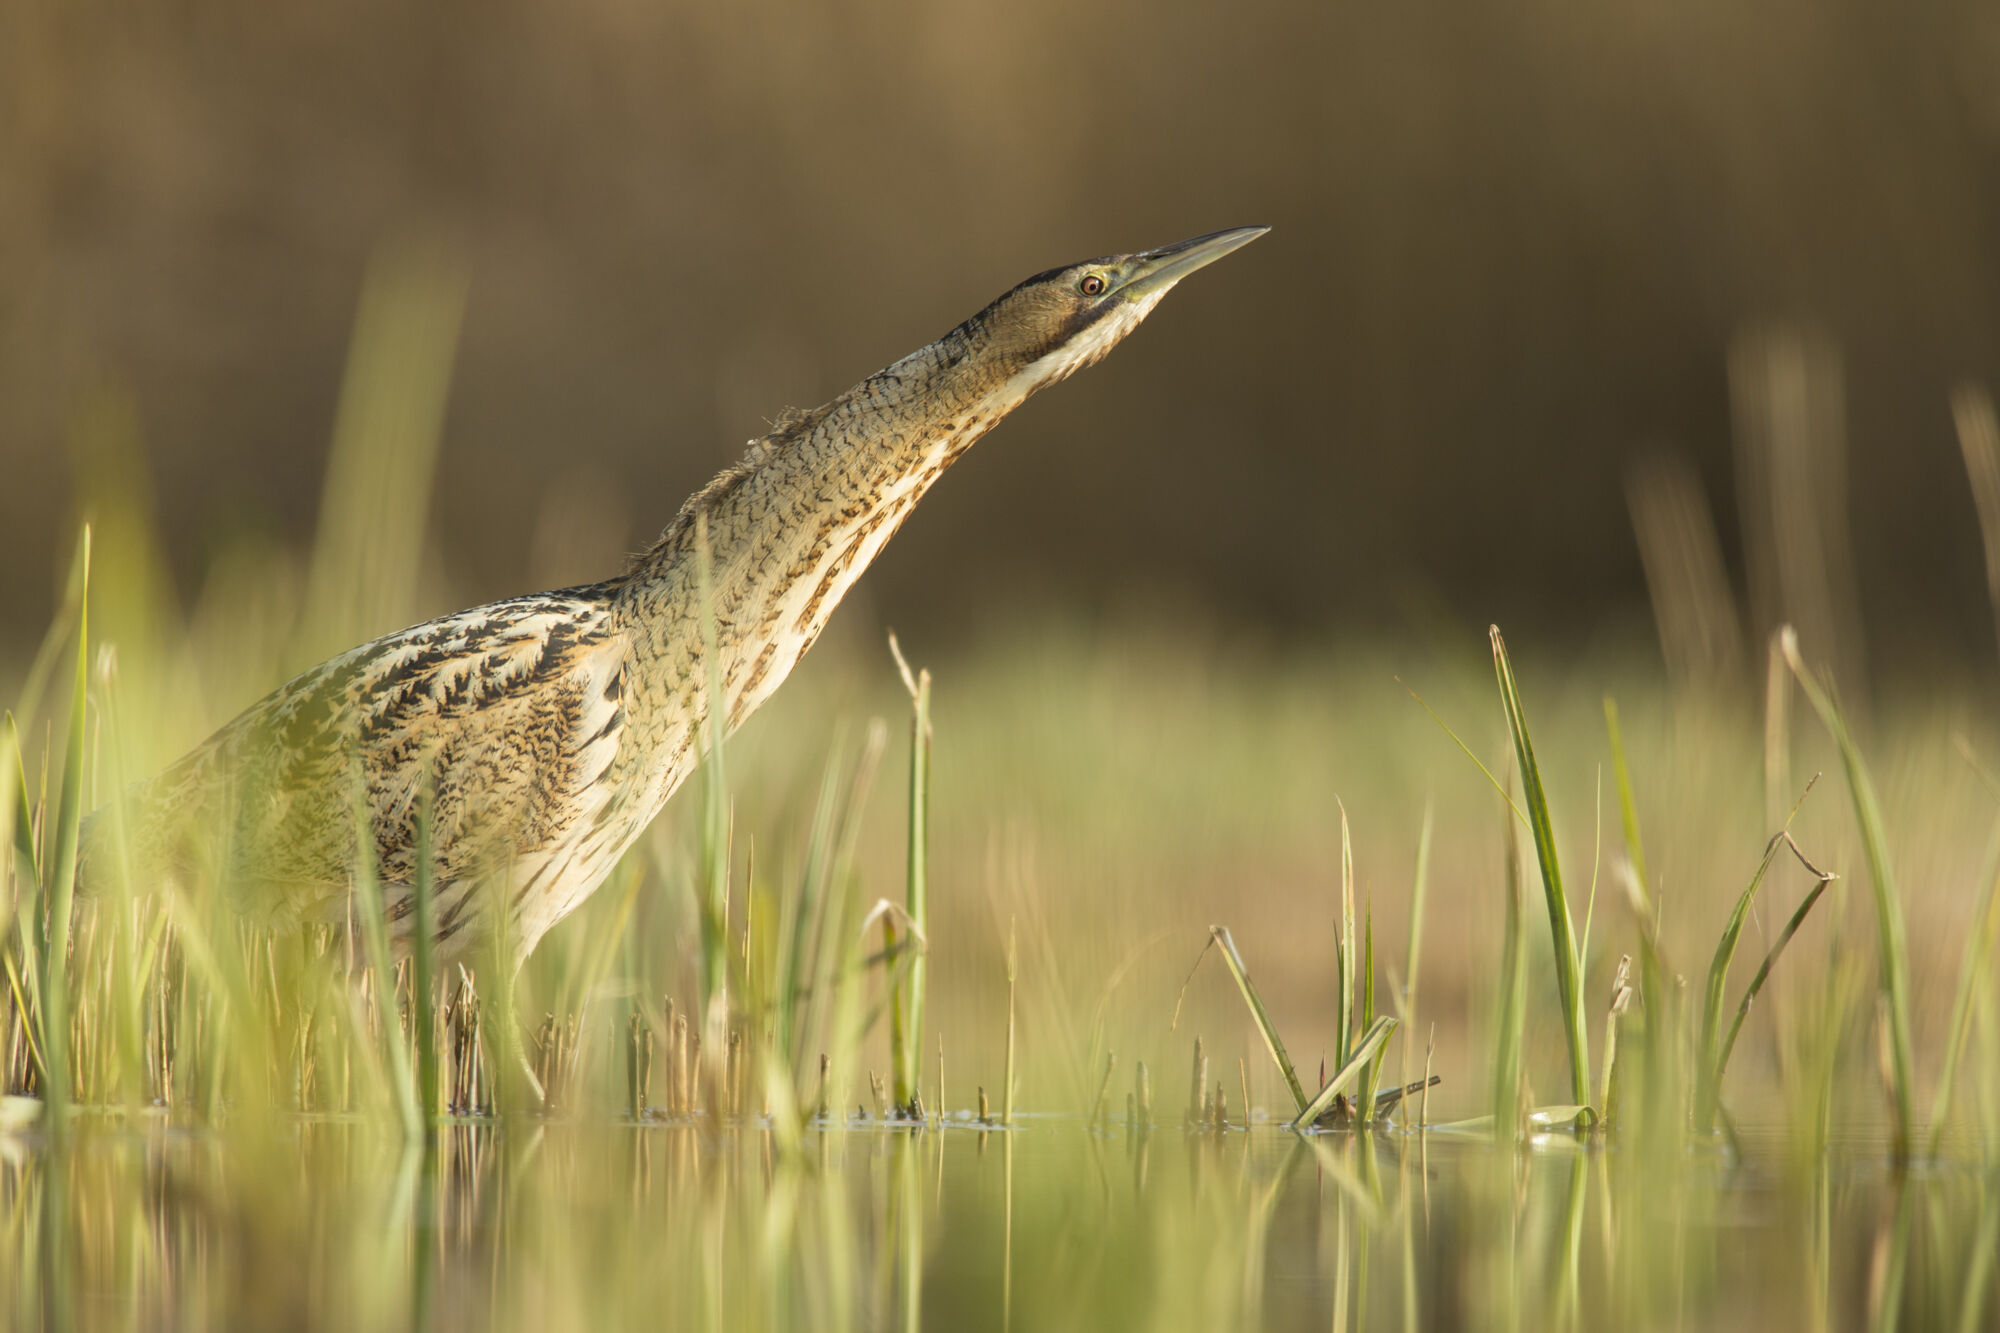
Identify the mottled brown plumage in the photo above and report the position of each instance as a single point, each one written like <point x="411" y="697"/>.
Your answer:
<point x="550" y="729"/>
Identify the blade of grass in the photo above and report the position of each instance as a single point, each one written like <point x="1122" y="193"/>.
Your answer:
<point x="1364" y="1051"/>
<point x="1708" y="1072"/>
<point x="1971" y="972"/>
<point x="1979" y="1267"/>
<point x="808" y="955"/>
<point x="423" y="953"/>
<point x="24" y="1009"/>
<point x="1569" y="966"/>
<point x="1344" y="1026"/>
<point x="1007" y="1076"/>
<point x="1894" y="981"/>
<point x="1621" y="998"/>
<point x="382" y="966"/>
<point x="1654" y="1000"/>
<point x="1821" y="879"/>
<point x="49" y="652"/>
<point x="1628" y="806"/>
<point x="1419" y="891"/>
<point x="1979" y="445"/>
<point x="1777" y="729"/>
<point x="1486" y="772"/>
<point x="1365" y="1099"/>
<point x="58" y="886"/>
<point x="715" y="821"/>
<point x="15" y="775"/>
<point x="1512" y="1009"/>
<point x="1596" y="863"/>
<point x="906" y="1018"/>
<point x="1221" y="937"/>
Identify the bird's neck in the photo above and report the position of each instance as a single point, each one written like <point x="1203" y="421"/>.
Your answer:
<point x="793" y="526"/>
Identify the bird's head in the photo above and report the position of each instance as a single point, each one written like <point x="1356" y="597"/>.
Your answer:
<point x="1058" y="322"/>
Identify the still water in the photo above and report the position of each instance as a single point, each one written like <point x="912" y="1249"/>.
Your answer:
<point x="1055" y="1224"/>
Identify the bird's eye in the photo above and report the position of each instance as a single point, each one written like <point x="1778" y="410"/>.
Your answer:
<point x="1092" y="285"/>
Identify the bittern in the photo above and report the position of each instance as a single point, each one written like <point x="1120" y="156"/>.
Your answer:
<point x="530" y="741"/>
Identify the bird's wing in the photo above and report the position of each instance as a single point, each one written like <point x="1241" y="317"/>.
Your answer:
<point x="509" y="714"/>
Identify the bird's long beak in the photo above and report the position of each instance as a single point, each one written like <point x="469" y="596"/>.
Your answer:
<point x="1162" y="268"/>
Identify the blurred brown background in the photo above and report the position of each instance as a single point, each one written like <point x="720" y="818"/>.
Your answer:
<point x="1514" y="243"/>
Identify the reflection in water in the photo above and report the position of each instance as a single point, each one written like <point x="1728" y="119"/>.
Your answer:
<point x="333" y="1223"/>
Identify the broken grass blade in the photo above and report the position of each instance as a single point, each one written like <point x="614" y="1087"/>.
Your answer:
<point x="1364" y="1051"/>
<point x="1718" y="977"/>
<point x="1272" y="1043"/>
<point x="24" y="1008"/>
<point x="1823" y="879"/>
<point x="1894" y="956"/>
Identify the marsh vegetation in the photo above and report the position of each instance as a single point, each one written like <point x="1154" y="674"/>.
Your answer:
<point x="1523" y="993"/>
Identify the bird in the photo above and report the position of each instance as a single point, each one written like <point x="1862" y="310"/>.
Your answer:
<point x="524" y="745"/>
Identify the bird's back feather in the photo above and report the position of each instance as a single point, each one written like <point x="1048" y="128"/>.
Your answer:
<point x="507" y="717"/>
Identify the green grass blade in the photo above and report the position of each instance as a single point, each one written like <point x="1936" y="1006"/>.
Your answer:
<point x="1596" y="864"/>
<point x="1512" y="1010"/>
<point x="24" y="1008"/>
<point x="43" y="667"/>
<point x="16" y="775"/>
<point x="1413" y="960"/>
<point x="1344" y="1027"/>
<point x="382" y="966"/>
<point x="1272" y="1042"/>
<point x="1569" y="966"/>
<point x="1007" y="1077"/>
<point x="807" y="950"/>
<point x="1466" y="750"/>
<point x="1708" y="1071"/>
<point x="1366" y="1097"/>
<point x="423" y="954"/>
<point x="715" y="814"/>
<point x="1364" y="1051"/>
<point x="906" y="1015"/>
<point x="1974" y="969"/>
<point x="1822" y="879"/>
<point x="1894" y="955"/>
<point x="1628" y="806"/>
<point x="1979" y="1268"/>
<point x="1656" y="1004"/>
<point x="59" y="884"/>
<point x="1419" y="894"/>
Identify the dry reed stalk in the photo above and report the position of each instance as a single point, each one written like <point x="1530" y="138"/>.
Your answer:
<point x="1687" y="579"/>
